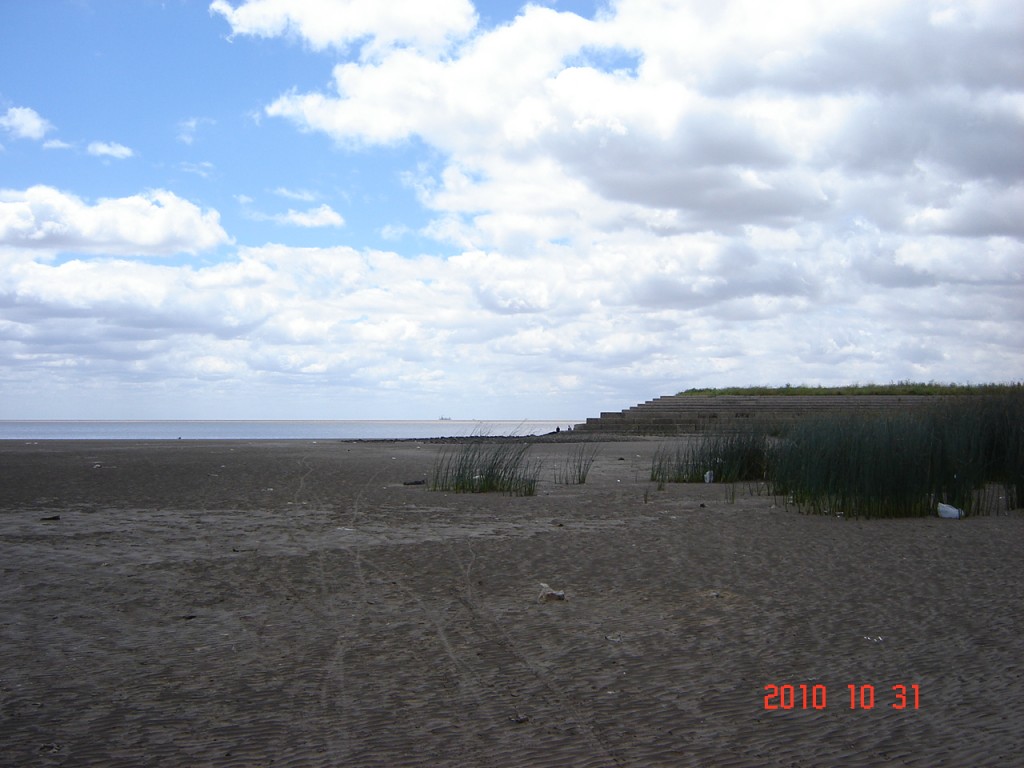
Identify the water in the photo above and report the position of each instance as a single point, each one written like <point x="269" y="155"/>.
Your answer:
<point x="268" y="430"/>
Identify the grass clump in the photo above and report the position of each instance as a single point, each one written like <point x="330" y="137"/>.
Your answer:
<point x="958" y="452"/>
<point x="902" y="466"/>
<point x="846" y="466"/>
<point x="982" y="441"/>
<point x="732" y="457"/>
<point x="576" y="466"/>
<point x="486" y="466"/>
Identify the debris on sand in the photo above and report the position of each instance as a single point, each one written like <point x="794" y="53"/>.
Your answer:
<point x="549" y="595"/>
<point x="949" y="512"/>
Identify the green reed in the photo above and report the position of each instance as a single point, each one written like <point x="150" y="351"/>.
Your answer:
<point x="732" y="457"/>
<point x="576" y="466"/>
<point x="956" y="452"/>
<point x="486" y="466"/>
<point x="850" y="466"/>
<point x="903" y="465"/>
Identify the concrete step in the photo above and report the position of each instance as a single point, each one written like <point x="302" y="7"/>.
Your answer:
<point x="673" y="414"/>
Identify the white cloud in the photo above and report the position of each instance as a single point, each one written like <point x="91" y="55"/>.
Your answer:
<point x="189" y="128"/>
<point x="203" y="169"/>
<point x="631" y="317"/>
<point x="753" y="164"/>
<point x="295" y="194"/>
<point x="25" y="123"/>
<point x="337" y="23"/>
<point x="494" y="90"/>
<point x="666" y="195"/>
<point x="109" y="149"/>
<point x="978" y="209"/>
<point x="321" y="216"/>
<point x="153" y="223"/>
<point x="56" y="144"/>
<point x="674" y="118"/>
<point x="394" y="231"/>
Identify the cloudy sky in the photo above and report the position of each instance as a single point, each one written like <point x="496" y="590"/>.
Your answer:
<point x="401" y="209"/>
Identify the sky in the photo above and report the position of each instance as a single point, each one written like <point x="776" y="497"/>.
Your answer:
<point x="397" y="209"/>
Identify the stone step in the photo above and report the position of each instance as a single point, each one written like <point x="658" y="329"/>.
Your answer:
<point x="675" y="414"/>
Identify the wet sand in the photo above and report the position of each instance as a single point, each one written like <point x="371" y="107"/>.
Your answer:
<point x="298" y="604"/>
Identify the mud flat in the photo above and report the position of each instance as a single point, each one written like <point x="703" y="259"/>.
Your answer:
<point x="304" y="604"/>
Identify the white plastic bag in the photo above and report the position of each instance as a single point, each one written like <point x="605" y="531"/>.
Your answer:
<point x="949" y="512"/>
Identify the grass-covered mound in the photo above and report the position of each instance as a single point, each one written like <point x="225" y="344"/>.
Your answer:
<point x="899" y="388"/>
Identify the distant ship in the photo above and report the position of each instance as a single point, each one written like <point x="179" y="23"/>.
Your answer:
<point x="444" y="418"/>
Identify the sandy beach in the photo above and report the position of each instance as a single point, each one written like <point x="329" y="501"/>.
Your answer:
<point x="299" y="603"/>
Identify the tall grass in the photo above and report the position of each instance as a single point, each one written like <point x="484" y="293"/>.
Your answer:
<point x="576" y="466"/>
<point x="732" y="457"/>
<point x="874" y="466"/>
<point x="486" y="466"/>
<point x="987" y="439"/>
<point x="848" y="466"/>
<point x="903" y="465"/>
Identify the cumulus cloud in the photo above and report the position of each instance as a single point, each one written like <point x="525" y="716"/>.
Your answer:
<point x="25" y="123"/>
<point x="153" y="223"/>
<point x="109" y="149"/>
<point x="337" y="23"/>
<point x="674" y="118"/>
<point x="625" y="318"/>
<point x="757" y="164"/>
<point x="663" y="195"/>
<point x="321" y="216"/>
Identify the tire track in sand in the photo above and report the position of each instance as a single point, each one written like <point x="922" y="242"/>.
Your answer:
<point x="503" y="671"/>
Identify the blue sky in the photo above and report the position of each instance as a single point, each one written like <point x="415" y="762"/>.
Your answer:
<point x="366" y="209"/>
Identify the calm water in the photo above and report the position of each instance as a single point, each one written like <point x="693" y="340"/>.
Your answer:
<point x="267" y="430"/>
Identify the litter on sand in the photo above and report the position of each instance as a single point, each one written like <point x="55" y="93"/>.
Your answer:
<point x="549" y="595"/>
<point x="950" y="512"/>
